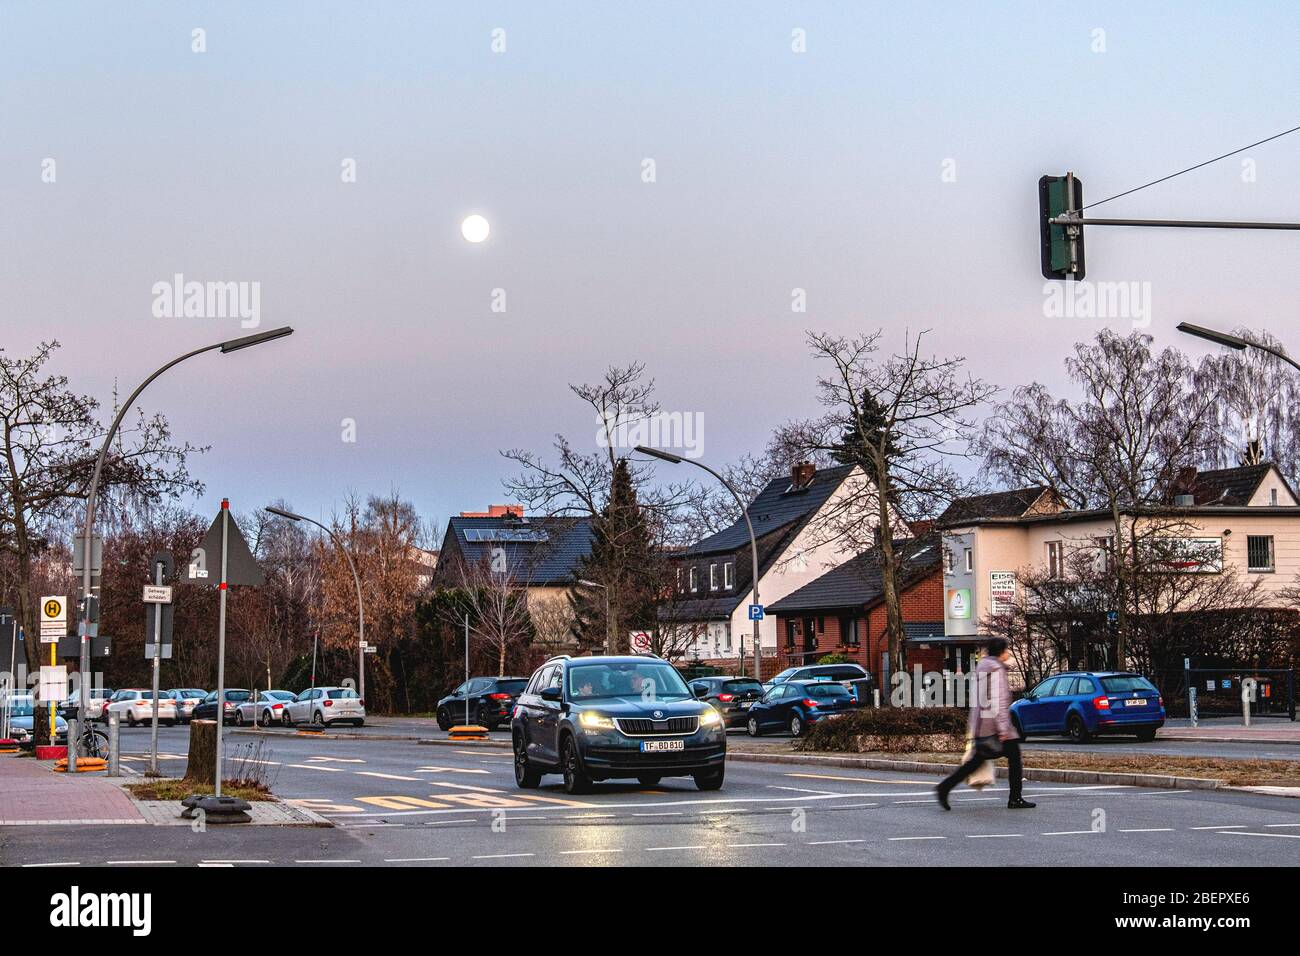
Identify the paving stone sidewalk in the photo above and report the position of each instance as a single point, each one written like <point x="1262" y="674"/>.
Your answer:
<point x="32" y="794"/>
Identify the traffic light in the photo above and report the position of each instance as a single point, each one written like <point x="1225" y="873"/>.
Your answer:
<point x="1062" y="246"/>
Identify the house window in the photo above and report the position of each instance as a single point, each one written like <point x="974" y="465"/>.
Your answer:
<point x="679" y="578"/>
<point x="713" y="576"/>
<point x="949" y="560"/>
<point x="695" y="586"/>
<point x="789" y="635"/>
<point x="1272" y="496"/>
<point x="729" y="575"/>
<point x="1055" y="559"/>
<point x="726" y="636"/>
<point x="1259" y="552"/>
<point x="821" y="625"/>
<point x="852" y="636"/>
<point x="1103" y="560"/>
<point x="970" y="560"/>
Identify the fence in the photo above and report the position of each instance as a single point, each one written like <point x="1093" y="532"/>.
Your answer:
<point x="1218" y="691"/>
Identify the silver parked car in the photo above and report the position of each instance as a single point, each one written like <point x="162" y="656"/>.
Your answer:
<point x="187" y="698"/>
<point x="324" y="706"/>
<point x="265" y="710"/>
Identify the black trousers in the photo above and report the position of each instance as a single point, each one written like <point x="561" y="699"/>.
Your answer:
<point x="1015" y="770"/>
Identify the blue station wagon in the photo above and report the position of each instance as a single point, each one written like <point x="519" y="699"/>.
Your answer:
<point x="1084" y="704"/>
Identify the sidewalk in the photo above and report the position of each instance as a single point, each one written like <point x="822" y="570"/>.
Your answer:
<point x="1262" y="730"/>
<point x="31" y="793"/>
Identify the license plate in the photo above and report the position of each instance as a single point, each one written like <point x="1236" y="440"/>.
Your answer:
<point x="1135" y="703"/>
<point x="746" y="704"/>
<point x="661" y="746"/>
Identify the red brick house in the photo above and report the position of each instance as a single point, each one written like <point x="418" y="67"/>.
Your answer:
<point x="843" y="612"/>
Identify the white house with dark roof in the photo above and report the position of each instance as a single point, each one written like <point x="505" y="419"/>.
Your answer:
<point x="713" y="585"/>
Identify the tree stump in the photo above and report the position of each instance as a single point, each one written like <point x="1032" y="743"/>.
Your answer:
<point x="201" y="765"/>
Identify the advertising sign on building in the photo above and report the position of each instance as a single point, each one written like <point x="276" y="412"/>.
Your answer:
<point x="959" y="604"/>
<point x="1002" y="592"/>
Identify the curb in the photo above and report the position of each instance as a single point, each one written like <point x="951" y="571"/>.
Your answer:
<point x="322" y="735"/>
<point x="437" y="742"/>
<point x="1042" y="775"/>
<point x="1269" y="741"/>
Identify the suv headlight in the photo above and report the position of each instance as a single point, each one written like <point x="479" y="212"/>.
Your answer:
<point x="589" y="718"/>
<point x="709" y="718"/>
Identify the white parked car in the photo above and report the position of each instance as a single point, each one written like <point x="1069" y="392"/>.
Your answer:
<point x="324" y="706"/>
<point x="266" y="710"/>
<point x="136" y="707"/>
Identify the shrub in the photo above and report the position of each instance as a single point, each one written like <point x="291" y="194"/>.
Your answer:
<point x="834" y="659"/>
<point x="904" y="724"/>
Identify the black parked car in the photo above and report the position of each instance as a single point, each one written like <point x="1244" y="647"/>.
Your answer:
<point x="798" y="704"/>
<point x="490" y="701"/>
<point x="600" y="718"/>
<point x="208" y="709"/>
<point x="732" y="696"/>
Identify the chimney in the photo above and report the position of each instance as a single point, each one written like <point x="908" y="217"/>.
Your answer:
<point x="801" y="474"/>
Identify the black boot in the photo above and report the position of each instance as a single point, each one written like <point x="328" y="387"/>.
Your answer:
<point x="941" y="795"/>
<point x="1020" y="803"/>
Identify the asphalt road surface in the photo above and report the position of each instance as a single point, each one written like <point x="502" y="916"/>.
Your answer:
<point x="402" y="803"/>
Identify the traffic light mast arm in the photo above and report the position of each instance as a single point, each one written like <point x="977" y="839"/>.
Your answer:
<point x="1076" y="220"/>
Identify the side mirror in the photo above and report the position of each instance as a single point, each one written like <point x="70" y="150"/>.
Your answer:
<point x="701" y="693"/>
<point x="550" y="693"/>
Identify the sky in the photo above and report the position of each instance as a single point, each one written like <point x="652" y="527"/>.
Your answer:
<point x="883" y="158"/>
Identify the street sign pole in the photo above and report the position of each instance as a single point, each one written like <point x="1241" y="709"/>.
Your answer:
<point x="7" y="614"/>
<point x="221" y="639"/>
<point x="157" y="662"/>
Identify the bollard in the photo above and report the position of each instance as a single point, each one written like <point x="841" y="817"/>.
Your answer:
<point x="114" y="752"/>
<point x="1247" y="697"/>
<point x="73" y="742"/>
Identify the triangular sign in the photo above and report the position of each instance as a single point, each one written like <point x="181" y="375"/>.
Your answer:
<point x="241" y="567"/>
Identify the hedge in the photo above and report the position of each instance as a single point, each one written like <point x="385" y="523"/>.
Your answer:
<point x="842" y="733"/>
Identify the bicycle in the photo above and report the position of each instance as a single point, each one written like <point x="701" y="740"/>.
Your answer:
<point x="92" y="743"/>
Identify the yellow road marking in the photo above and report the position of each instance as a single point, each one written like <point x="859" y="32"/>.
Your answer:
<point x="403" y="803"/>
<point x="321" y="804"/>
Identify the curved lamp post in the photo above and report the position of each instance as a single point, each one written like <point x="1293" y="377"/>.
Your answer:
<point x="1234" y="341"/>
<point x="230" y="345"/>
<point x="753" y="542"/>
<point x="361" y="609"/>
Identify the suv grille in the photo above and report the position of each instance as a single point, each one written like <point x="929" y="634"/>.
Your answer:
<point x="645" y="727"/>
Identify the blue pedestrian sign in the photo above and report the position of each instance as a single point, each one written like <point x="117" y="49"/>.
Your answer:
<point x="756" y="612"/>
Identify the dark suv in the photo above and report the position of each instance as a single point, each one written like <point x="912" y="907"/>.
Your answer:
<point x="732" y="696"/>
<point x="602" y="718"/>
<point x="486" y="701"/>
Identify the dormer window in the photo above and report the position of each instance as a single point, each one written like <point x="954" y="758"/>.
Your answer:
<point x="695" y="585"/>
<point x="713" y="576"/>
<point x="729" y="575"/>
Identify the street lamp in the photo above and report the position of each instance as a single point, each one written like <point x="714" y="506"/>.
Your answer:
<point x="230" y="345"/>
<point x="609" y="646"/>
<point x="753" y="541"/>
<point x="361" y="610"/>
<point x="1234" y="341"/>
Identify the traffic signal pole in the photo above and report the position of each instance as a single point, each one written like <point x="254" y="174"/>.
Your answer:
<point x="1074" y="219"/>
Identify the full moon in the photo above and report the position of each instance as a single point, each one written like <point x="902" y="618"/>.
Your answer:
<point x="475" y="228"/>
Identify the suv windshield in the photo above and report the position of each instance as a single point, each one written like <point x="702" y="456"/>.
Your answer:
<point x="653" y="680"/>
<point x="1123" y="683"/>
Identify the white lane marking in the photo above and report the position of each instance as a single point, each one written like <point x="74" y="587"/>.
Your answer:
<point x="1069" y="832"/>
<point x="1276" y="836"/>
<point x="990" y="836"/>
<point x="1224" y="826"/>
<point x="419" y="859"/>
<point x="907" y="839"/>
<point x="829" y="842"/>
<point x="137" y="862"/>
<point x="741" y="846"/>
<point x="336" y="759"/>
<point x="772" y="786"/>
<point x="578" y="852"/>
<point x="385" y="776"/>
<point x="69" y="863"/>
<point x="591" y="816"/>
<point x="500" y="856"/>
<point x="232" y="862"/>
<point x="226" y="865"/>
<point x="1160" y="793"/>
<point x="313" y="766"/>
<point x="327" y="861"/>
<point x="670" y="813"/>
<point x="1282" y="824"/>
<point x="656" y="849"/>
<point x="1149" y="830"/>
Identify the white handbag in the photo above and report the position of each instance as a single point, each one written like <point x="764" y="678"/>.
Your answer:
<point x="983" y="775"/>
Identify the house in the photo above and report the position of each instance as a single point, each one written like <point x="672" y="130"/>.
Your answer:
<point x="843" y="612"/>
<point x="1245" y="518"/>
<point x="713" y="578"/>
<point x="540" y="555"/>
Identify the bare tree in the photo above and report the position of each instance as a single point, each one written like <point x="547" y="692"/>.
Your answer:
<point x="498" y="608"/>
<point x="901" y="419"/>
<point x="1118" y="446"/>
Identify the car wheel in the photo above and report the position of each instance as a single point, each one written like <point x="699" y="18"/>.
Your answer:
<point x="239" y="718"/>
<point x="480" y="719"/>
<point x="444" y="721"/>
<point x="796" y="725"/>
<point x="171" y="723"/>
<point x="752" y="727"/>
<point x="360" y="722"/>
<point x="710" y="780"/>
<point x="527" y="777"/>
<point x="266" y="718"/>
<point x="1147" y="735"/>
<point x="649" y="779"/>
<point x="575" y="776"/>
<point x="318" y="718"/>
<point x="1076" y="729"/>
<point x="285" y="719"/>
<point x="130" y="719"/>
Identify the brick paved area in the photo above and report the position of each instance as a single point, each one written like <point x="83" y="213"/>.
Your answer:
<point x="31" y="793"/>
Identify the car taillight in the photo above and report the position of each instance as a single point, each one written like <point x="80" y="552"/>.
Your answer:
<point x="499" y="696"/>
<point x="809" y="702"/>
<point x="1160" y="701"/>
<point x="277" y="707"/>
<point x="361" y="702"/>
<point x="329" y="703"/>
<point x="1101" y="703"/>
<point x="726" y="697"/>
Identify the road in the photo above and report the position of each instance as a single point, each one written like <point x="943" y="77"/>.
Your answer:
<point x="401" y="803"/>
